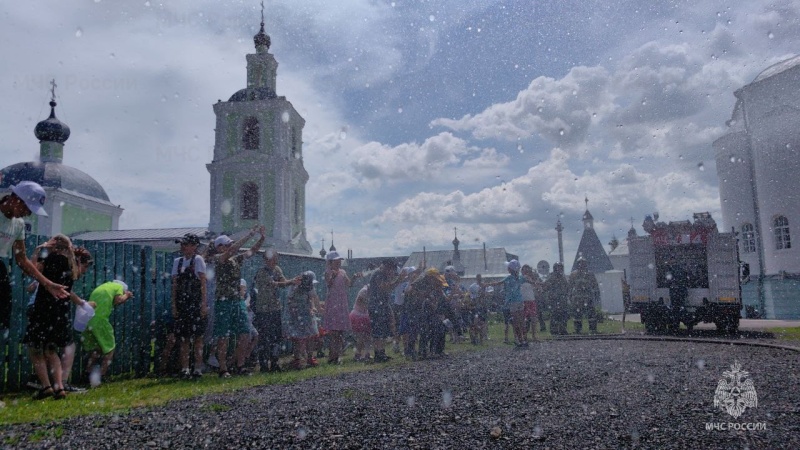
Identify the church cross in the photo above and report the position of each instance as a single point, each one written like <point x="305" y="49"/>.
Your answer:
<point x="53" y="86"/>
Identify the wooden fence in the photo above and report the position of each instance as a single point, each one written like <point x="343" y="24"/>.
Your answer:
<point x="138" y="324"/>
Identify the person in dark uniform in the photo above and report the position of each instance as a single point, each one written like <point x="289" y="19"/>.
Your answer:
<point x="556" y="290"/>
<point x="584" y="296"/>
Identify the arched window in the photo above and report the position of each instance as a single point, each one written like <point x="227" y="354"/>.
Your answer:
<point x="780" y="226"/>
<point x="748" y="238"/>
<point x="250" y="135"/>
<point x="249" y="201"/>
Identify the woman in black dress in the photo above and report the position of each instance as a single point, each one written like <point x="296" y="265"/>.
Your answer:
<point x="49" y="325"/>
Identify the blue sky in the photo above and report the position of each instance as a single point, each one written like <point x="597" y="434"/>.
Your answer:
<point x="490" y="116"/>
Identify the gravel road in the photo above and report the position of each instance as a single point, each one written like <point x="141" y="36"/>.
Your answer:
<point x="555" y="394"/>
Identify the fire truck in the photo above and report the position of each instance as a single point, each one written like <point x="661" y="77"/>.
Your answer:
<point x="685" y="272"/>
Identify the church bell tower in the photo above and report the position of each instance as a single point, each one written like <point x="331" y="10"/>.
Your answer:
<point x="257" y="174"/>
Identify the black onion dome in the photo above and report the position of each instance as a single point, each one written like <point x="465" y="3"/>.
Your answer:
<point x="52" y="129"/>
<point x="262" y="38"/>
<point x="252" y="94"/>
<point x="53" y="175"/>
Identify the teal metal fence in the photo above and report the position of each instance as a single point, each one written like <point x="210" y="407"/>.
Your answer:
<point x="139" y="324"/>
<point x="135" y="265"/>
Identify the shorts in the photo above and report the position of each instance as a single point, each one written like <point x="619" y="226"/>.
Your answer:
<point x="380" y="316"/>
<point x="360" y="323"/>
<point x="99" y="335"/>
<point x="269" y="327"/>
<point x="515" y="307"/>
<point x="190" y="324"/>
<point x="529" y="309"/>
<point x="403" y="325"/>
<point x="230" y="318"/>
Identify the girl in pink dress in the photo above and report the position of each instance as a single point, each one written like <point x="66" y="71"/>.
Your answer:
<point x="362" y="327"/>
<point x="336" y="320"/>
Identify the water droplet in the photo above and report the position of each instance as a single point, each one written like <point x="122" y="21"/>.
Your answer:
<point x="447" y="398"/>
<point x="147" y="3"/>
<point x="400" y="110"/>
<point x="680" y="157"/>
<point x="668" y="276"/>
<point x="540" y="109"/>
<point x="112" y="55"/>
<point x="343" y="135"/>
<point x="79" y="32"/>
<point x="701" y="167"/>
<point x="431" y="17"/>
<point x="644" y="102"/>
<point x="226" y="207"/>
<point x="176" y="95"/>
<point x="163" y="98"/>
<point x="733" y="159"/>
<point x="537" y="431"/>
<point x="701" y="364"/>
<point x="651" y="378"/>
<point x="285" y="117"/>
<point x="771" y="35"/>
<point x="650" y="266"/>
<point x="519" y="147"/>
<point x="411" y="401"/>
<point x="94" y="377"/>
<point x="561" y="132"/>
<point x="302" y="432"/>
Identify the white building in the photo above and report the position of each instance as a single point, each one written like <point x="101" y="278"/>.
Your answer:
<point x="757" y="164"/>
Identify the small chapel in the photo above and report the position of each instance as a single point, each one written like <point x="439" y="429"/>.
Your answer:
<point x="76" y="202"/>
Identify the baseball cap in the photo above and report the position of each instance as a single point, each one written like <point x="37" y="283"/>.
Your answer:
<point x="513" y="265"/>
<point x="450" y="270"/>
<point x="188" y="239"/>
<point x="333" y="256"/>
<point x="222" y="240"/>
<point x="308" y="274"/>
<point x="33" y="195"/>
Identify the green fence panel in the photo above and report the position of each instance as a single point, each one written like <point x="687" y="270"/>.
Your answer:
<point x="146" y="269"/>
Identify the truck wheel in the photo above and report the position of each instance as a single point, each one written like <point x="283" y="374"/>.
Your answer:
<point x="733" y="325"/>
<point x="648" y="323"/>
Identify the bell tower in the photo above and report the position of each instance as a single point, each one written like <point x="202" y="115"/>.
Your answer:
<point x="257" y="174"/>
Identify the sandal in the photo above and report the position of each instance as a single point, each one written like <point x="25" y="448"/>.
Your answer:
<point x="59" y="394"/>
<point x="43" y="393"/>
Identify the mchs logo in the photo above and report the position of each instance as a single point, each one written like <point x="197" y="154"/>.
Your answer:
<point x="735" y="392"/>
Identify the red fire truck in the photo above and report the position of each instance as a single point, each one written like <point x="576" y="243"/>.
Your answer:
<point x="685" y="272"/>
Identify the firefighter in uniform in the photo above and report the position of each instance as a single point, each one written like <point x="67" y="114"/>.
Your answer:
<point x="584" y="296"/>
<point x="556" y="290"/>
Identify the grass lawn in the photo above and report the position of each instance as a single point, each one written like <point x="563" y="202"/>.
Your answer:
<point x="791" y="335"/>
<point x="121" y="395"/>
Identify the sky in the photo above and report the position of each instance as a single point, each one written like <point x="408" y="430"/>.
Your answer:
<point x="495" y="118"/>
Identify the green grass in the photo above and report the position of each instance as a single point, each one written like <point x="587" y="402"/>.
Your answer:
<point x="792" y="335"/>
<point x="120" y="396"/>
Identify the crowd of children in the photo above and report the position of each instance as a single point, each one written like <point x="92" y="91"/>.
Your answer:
<point x="211" y="304"/>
